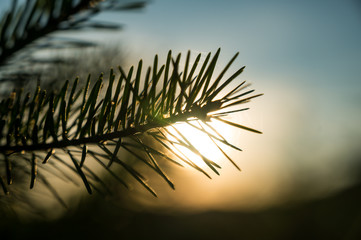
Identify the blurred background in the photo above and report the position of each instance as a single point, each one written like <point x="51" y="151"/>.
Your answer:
<point x="301" y="178"/>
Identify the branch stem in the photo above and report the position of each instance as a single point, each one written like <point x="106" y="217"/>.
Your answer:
<point x="157" y="123"/>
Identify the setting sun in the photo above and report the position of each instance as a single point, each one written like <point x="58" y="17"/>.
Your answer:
<point x="198" y="142"/>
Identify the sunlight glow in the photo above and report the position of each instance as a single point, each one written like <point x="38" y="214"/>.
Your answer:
<point x="202" y="143"/>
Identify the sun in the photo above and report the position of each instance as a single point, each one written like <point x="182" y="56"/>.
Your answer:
<point x="199" y="143"/>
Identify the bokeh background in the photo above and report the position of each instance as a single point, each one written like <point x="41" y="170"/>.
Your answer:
<point x="304" y="56"/>
<point x="301" y="178"/>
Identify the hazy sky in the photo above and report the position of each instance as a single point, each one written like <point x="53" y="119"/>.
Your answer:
<point x="303" y="55"/>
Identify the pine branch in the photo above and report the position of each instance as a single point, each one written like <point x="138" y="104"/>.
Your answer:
<point x="100" y="122"/>
<point x="23" y="25"/>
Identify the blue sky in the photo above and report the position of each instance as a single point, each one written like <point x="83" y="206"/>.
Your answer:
<point x="303" y="55"/>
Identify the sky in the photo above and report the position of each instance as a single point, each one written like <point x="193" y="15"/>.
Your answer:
<point x="303" y="55"/>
